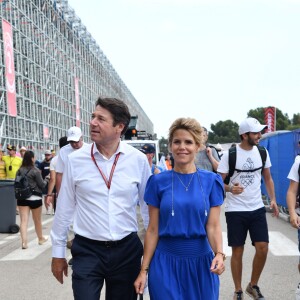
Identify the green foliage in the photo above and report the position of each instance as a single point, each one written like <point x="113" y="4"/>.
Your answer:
<point x="163" y="145"/>
<point x="296" y="120"/>
<point x="227" y="131"/>
<point x="224" y="132"/>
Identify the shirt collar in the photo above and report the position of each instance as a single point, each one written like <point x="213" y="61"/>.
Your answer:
<point x="121" y="148"/>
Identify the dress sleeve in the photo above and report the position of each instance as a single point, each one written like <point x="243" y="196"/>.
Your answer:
<point x="217" y="194"/>
<point x="151" y="191"/>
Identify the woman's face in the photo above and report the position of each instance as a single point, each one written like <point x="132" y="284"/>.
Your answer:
<point x="183" y="147"/>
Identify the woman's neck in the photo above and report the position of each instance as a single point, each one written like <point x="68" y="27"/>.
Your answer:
<point x="185" y="169"/>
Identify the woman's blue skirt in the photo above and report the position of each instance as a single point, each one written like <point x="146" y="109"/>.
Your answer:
<point x="180" y="270"/>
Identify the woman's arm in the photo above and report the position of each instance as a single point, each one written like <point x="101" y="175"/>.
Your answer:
<point x="40" y="182"/>
<point x="214" y="235"/>
<point x="151" y="239"/>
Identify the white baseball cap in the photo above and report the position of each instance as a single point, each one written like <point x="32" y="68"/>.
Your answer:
<point x="251" y="125"/>
<point x="74" y="134"/>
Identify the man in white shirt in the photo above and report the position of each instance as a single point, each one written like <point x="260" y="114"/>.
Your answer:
<point x="51" y="195"/>
<point x="244" y="208"/>
<point x="291" y="200"/>
<point x="100" y="189"/>
<point x="74" y="137"/>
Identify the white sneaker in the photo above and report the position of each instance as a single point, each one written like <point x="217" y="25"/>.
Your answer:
<point x="48" y="212"/>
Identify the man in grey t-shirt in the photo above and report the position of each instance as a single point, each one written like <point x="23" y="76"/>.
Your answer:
<point x="207" y="158"/>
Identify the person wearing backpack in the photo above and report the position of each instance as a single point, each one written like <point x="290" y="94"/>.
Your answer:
<point x="32" y="203"/>
<point x="244" y="208"/>
<point x="292" y="200"/>
<point x="207" y="157"/>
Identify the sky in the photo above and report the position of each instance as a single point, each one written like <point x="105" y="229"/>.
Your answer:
<point x="212" y="60"/>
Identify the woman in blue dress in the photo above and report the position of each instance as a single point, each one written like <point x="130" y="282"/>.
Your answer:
<point x="183" y="250"/>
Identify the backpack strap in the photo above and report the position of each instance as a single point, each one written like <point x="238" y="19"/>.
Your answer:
<point x="232" y="162"/>
<point x="263" y="154"/>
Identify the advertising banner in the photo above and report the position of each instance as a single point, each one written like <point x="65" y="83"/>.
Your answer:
<point x="270" y="118"/>
<point x="77" y="101"/>
<point x="9" y="69"/>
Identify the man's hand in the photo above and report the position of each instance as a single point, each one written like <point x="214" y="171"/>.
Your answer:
<point x="274" y="207"/>
<point x="59" y="266"/>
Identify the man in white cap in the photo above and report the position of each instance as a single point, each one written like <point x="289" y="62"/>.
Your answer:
<point x="22" y="151"/>
<point x="74" y="136"/>
<point x="244" y="208"/>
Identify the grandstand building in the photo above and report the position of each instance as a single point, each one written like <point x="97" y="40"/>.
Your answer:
<point x="51" y="73"/>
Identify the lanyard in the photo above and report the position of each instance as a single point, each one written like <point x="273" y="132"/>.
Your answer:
<point x="107" y="182"/>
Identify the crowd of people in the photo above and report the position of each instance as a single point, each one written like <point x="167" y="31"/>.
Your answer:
<point x="95" y="189"/>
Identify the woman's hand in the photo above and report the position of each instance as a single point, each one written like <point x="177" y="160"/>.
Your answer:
<point x="217" y="265"/>
<point x="140" y="282"/>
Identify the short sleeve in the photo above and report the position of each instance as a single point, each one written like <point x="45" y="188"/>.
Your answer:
<point x="217" y="194"/>
<point x="151" y="192"/>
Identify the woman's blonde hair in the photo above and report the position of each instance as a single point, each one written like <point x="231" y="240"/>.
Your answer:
<point x="189" y="124"/>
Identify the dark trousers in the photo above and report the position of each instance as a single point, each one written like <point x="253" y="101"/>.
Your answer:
<point x="118" y="263"/>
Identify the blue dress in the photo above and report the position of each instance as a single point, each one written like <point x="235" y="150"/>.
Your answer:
<point x="180" y="266"/>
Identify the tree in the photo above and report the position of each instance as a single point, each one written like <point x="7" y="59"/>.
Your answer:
<point x="163" y="145"/>
<point x="295" y="122"/>
<point x="224" y="132"/>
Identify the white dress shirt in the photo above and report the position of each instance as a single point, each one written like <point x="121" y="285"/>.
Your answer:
<point x="63" y="157"/>
<point x="97" y="212"/>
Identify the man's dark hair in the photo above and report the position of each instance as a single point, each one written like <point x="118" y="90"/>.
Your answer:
<point x="27" y="159"/>
<point x="63" y="141"/>
<point x="118" y="109"/>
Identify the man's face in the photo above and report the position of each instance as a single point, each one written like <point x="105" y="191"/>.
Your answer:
<point x="48" y="157"/>
<point x="101" y="127"/>
<point x="150" y="157"/>
<point x="11" y="152"/>
<point x="76" y="145"/>
<point x="22" y="152"/>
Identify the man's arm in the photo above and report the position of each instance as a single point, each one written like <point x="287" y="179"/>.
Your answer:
<point x="212" y="157"/>
<point x="291" y="202"/>
<point x="145" y="174"/>
<point x="51" y="186"/>
<point x="63" y="218"/>
<point x="58" y="180"/>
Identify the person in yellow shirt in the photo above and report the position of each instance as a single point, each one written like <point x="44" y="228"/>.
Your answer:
<point x="2" y="166"/>
<point x="12" y="162"/>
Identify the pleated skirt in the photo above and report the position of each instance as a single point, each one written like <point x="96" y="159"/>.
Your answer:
<point x="180" y="270"/>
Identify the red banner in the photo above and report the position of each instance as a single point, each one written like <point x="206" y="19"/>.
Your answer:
<point x="77" y="102"/>
<point x="46" y="132"/>
<point x="9" y="68"/>
<point x="270" y="118"/>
